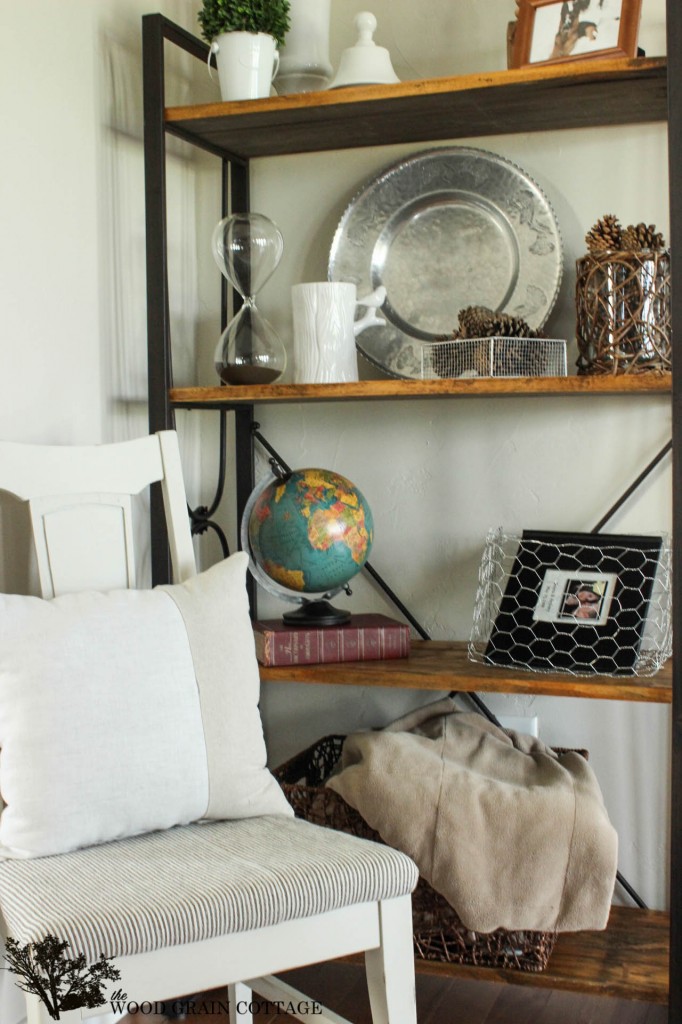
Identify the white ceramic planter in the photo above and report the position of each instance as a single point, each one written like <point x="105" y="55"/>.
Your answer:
<point x="247" y="63"/>
<point x="304" y="59"/>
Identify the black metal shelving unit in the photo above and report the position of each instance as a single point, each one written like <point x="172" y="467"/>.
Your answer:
<point x="593" y="93"/>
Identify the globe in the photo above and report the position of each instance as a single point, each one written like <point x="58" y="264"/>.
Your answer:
<point x="309" y="532"/>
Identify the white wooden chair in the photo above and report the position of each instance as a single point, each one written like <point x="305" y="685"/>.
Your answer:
<point x="79" y="499"/>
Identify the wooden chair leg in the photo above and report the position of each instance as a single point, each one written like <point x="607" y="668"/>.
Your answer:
<point x="240" y="996"/>
<point x="390" y="968"/>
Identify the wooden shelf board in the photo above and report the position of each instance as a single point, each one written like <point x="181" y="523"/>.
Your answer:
<point x="489" y="387"/>
<point x="577" y="94"/>
<point x="444" y="666"/>
<point x="628" y="960"/>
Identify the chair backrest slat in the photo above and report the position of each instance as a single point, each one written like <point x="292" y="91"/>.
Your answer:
<point x="80" y="504"/>
<point x="83" y="543"/>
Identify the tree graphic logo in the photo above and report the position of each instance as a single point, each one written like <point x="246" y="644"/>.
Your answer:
<point x="61" y="982"/>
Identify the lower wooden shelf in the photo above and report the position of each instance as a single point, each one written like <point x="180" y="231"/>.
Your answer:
<point x="439" y="665"/>
<point x="629" y="960"/>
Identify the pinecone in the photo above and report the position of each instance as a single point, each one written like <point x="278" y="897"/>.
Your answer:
<point x="473" y="322"/>
<point x="506" y="326"/>
<point x="641" y="236"/>
<point x="510" y="359"/>
<point x="606" y="234"/>
<point x="481" y="322"/>
<point x="522" y="360"/>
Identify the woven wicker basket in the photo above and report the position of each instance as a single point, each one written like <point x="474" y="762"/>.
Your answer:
<point x="438" y="932"/>
<point x="623" y="305"/>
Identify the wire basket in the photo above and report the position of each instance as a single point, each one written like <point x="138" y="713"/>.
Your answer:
<point x="438" y="933"/>
<point x="494" y="357"/>
<point x="576" y="603"/>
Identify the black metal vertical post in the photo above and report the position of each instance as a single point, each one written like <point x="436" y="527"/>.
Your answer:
<point x="240" y="193"/>
<point x="226" y="206"/>
<point x="240" y="202"/>
<point x="158" y="326"/>
<point x="674" y="49"/>
<point x="245" y="472"/>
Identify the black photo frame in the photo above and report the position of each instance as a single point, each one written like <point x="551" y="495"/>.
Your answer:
<point x="576" y="602"/>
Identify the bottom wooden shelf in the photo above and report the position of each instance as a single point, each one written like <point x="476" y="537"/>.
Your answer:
<point x="628" y="960"/>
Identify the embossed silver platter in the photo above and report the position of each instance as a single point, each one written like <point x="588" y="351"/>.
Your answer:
<point x="444" y="229"/>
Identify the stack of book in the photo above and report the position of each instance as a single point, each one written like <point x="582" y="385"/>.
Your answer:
<point x="369" y="637"/>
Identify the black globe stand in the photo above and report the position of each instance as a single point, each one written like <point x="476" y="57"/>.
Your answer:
<point x="316" y="613"/>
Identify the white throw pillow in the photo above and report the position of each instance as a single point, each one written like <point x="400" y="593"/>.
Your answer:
<point x="129" y="711"/>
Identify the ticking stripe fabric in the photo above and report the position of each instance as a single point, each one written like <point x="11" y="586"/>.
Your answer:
<point x="195" y="882"/>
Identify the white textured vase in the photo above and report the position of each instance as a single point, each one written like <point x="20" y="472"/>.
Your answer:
<point x="325" y="330"/>
<point x="304" y="59"/>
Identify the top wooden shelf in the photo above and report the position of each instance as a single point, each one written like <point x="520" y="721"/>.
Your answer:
<point x="481" y="387"/>
<point x="581" y="94"/>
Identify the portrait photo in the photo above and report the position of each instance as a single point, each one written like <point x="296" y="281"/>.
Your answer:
<point x="549" y="31"/>
<point x="566" y="596"/>
<point x="587" y="600"/>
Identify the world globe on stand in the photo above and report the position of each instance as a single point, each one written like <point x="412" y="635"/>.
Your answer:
<point x="308" y="533"/>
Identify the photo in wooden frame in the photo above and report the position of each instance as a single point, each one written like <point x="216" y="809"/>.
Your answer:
<point x="555" y="31"/>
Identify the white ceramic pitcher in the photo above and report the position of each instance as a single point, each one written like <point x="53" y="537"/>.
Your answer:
<point x="325" y="330"/>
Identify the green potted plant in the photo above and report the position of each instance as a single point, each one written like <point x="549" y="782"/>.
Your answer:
<point x="245" y="35"/>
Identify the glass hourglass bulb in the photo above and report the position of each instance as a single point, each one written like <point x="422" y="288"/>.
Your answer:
<point x="248" y="247"/>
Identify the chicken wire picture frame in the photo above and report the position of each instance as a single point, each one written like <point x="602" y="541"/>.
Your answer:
<point x="579" y="603"/>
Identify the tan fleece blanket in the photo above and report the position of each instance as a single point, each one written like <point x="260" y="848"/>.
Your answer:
<point x="512" y="834"/>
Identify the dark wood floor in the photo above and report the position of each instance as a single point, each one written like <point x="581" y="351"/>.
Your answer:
<point x="447" y="1001"/>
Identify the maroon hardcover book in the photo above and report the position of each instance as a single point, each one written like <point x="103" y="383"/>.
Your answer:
<point x="369" y="637"/>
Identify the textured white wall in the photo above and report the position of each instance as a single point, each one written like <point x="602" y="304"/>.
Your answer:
<point x="72" y="270"/>
<point x="72" y="259"/>
<point x="437" y="474"/>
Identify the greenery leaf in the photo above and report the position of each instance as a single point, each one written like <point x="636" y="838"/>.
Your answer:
<point x="269" y="16"/>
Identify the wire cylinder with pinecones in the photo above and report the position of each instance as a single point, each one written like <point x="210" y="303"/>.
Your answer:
<point x="623" y="300"/>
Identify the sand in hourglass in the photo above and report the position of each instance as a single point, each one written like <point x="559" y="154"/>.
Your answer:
<point x="247" y="374"/>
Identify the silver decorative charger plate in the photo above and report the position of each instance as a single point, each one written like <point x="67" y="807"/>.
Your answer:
<point x="445" y="229"/>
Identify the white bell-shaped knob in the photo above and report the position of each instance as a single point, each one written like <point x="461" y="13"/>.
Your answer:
<point x="366" y="24"/>
<point x="365" y="63"/>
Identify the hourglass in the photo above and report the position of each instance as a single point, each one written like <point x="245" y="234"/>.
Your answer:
<point x="248" y="247"/>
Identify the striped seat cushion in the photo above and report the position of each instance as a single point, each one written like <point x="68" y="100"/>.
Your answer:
<point x="194" y="882"/>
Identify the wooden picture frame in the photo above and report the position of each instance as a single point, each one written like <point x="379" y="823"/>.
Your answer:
<point x="556" y="31"/>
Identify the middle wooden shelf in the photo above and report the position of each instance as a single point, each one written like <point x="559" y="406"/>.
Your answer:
<point x="481" y="387"/>
<point x="444" y="666"/>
